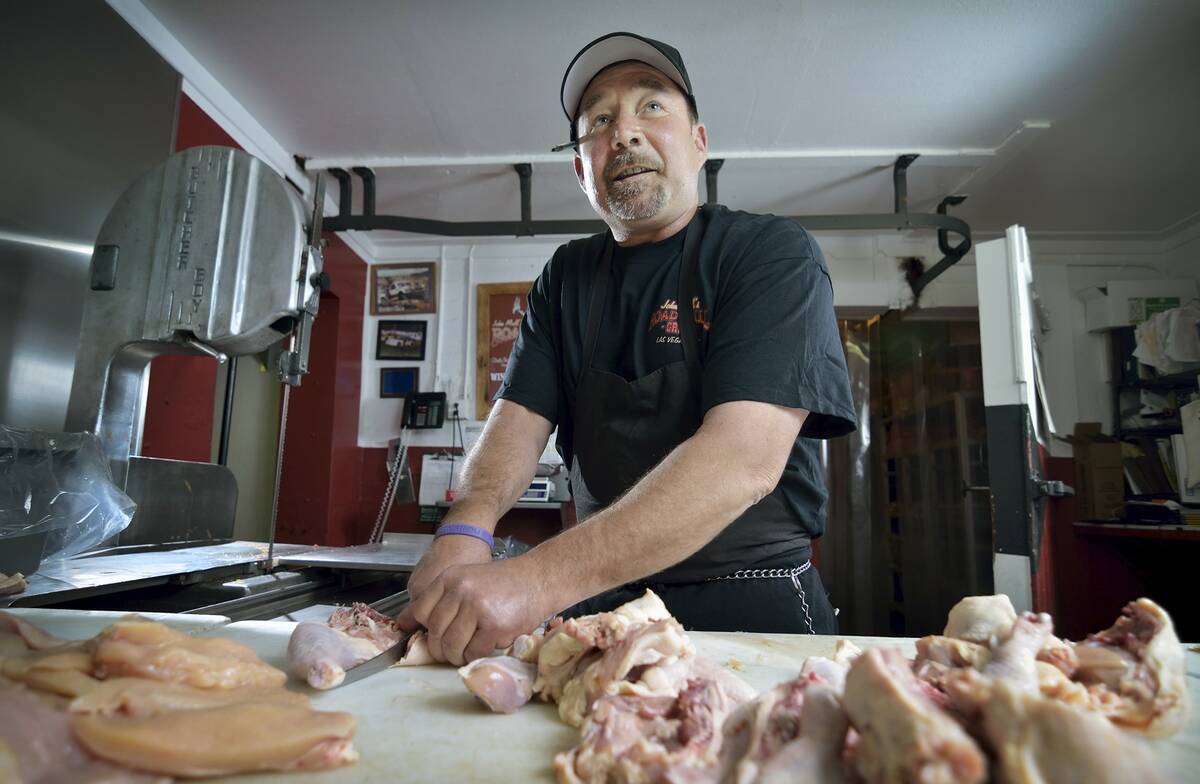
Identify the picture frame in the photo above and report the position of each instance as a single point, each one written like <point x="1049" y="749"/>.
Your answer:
<point x="401" y="289"/>
<point x="499" y="308"/>
<point x="396" y="339"/>
<point x="399" y="381"/>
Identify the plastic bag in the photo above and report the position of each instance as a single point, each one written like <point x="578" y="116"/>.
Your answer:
<point x="508" y="547"/>
<point x="59" y="484"/>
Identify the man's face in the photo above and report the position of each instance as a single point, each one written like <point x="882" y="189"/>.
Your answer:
<point x="640" y="154"/>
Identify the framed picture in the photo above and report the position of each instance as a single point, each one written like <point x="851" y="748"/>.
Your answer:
<point x="400" y="340"/>
<point x="399" y="289"/>
<point x="398" y="381"/>
<point x="499" y="308"/>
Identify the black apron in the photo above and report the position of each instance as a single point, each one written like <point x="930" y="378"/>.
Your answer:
<point x="622" y="429"/>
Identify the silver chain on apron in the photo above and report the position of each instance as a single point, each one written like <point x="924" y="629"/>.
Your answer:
<point x="767" y="574"/>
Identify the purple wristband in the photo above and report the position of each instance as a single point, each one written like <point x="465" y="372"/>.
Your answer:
<point x="463" y="529"/>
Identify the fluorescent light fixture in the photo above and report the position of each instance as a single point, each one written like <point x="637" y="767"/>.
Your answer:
<point x="43" y="242"/>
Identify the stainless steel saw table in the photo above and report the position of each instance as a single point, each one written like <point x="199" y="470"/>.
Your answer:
<point x="85" y="576"/>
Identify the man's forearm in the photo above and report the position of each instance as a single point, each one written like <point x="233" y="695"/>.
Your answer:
<point x="699" y="488"/>
<point x="500" y="467"/>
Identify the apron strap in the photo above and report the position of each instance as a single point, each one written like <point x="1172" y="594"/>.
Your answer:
<point x="688" y="267"/>
<point x="596" y="305"/>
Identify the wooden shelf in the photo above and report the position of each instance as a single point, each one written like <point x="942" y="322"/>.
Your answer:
<point x="1149" y="432"/>
<point x="1185" y="380"/>
<point x="1140" y="531"/>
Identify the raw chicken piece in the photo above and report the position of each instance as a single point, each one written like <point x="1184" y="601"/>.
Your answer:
<point x="562" y="653"/>
<point x="1037" y="740"/>
<point x="528" y="646"/>
<point x="1014" y="660"/>
<point x="641" y="647"/>
<point x="416" y="652"/>
<point x="952" y="652"/>
<point x="150" y="650"/>
<point x="67" y="673"/>
<point x="560" y="658"/>
<point x="621" y="736"/>
<point x="815" y="756"/>
<point x="981" y="619"/>
<point x="249" y="736"/>
<point x="1135" y="671"/>
<point x="320" y="655"/>
<point x="673" y="674"/>
<point x="360" y="620"/>
<point x="905" y="736"/>
<point x="140" y="697"/>
<point x="844" y="652"/>
<point x="830" y="671"/>
<point x="759" y="730"/>
<point x="34" y="637"/>
<point x="39" y="747"/>
<point x="641" y="739"/>
<point x="10" y="584"/>
<point x="503" y="683"/>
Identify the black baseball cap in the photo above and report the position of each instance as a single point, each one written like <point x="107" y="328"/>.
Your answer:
<point x="616" y="48"/>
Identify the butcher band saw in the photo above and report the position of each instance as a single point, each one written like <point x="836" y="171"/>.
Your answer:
<point x="210" y="253"/>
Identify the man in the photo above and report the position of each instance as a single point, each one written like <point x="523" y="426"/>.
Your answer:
<point x="688" y="357"/>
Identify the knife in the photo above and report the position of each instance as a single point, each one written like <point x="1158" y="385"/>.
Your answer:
<point x="389" y="656"/>
<point x="377" y="663"/>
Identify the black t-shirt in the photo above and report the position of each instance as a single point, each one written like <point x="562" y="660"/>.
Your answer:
<point x="764" y="304"/>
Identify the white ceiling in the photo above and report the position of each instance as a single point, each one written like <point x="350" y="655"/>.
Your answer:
<point x="809" y="100"/>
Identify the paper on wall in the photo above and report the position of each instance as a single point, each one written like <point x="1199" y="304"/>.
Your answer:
<point x="1190" y="416"/>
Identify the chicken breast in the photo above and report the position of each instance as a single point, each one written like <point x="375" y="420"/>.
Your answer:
<point x="34" y="637"/>
<point x="141" y="697"/>
<point x="39" y="747"/>
<point x="150" y="650"/>
<point x="263" y="735"/>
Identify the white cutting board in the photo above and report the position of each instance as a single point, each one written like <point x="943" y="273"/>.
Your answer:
<point x="82" y="624"/>
<point x="419" y="724"/>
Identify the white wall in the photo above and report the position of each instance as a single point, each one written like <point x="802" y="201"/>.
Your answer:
<point x="1182" y="254"/>
<point x="865" y="275"/>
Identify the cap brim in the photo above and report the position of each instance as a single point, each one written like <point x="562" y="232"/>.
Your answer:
<point x="606" y="52"/>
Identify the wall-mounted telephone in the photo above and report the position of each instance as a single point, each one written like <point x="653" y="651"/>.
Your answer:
<point x="424" y="410"/>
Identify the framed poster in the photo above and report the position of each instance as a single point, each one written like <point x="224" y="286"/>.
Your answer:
<point x="398" y="381"/>
<point x="499" y="308"/>
<point x="400" y="340"/>
<point x="398" y="289"/>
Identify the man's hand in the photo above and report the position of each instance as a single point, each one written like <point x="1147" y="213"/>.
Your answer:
<point x="446" y="551"/>
<point x="470" y="610"/>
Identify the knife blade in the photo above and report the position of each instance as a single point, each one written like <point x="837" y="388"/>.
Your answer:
<point x="378" y="663"/>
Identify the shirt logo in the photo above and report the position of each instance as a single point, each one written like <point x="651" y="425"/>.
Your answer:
<point x="664" y="321"/>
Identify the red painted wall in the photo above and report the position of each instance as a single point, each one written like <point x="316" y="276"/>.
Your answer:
<point x="322" y="465"/>
<point x="179" y="406"/>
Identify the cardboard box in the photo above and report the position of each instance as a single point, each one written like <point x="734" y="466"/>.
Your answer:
<point x="1123" y="303"/>
<point x="1099" y="474"/>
